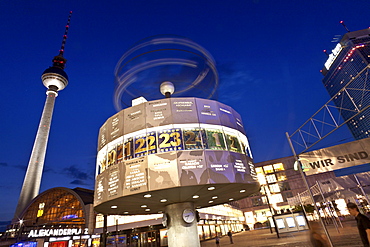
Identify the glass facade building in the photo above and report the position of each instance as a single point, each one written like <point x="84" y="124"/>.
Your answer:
<point x="346" y="78"/>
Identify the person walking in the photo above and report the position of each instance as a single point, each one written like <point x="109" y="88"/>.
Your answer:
<point x="363" y="223"/>
<point x="230" y="236"/>
<point x="217" y="241"/>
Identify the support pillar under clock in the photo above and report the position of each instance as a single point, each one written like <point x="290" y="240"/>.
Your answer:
<point x="182" y="225"/>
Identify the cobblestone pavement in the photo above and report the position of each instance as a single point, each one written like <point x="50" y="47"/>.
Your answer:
<point x="347" y="236"/>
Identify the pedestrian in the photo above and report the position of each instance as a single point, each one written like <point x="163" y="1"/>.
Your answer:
<point x="230" y="236"/>
<point x="317" y="239"/>
<point x="217" y="241"/>
<point x="363" y="223"/>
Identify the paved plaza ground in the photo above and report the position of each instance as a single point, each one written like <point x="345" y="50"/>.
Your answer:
<point x="347" y="236"/>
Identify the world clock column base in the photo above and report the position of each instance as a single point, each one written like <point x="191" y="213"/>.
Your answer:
<point x="182" y="225"/>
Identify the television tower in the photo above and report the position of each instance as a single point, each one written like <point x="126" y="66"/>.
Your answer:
<point x="54" y="79"/>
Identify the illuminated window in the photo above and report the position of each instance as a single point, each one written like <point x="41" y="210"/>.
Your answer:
<point x="264" y="199"/>
<point x="259" y="170"/>
<point x="279" y="167"/>
<point x="274" y="188"/>
<point x="56" y="206"/>
<point x="263" y="190"/>
<point x="268" y="169"/>
<point x="281" y="176"/>
<point x="271" y="178"/>
<point x="276" y="198"/>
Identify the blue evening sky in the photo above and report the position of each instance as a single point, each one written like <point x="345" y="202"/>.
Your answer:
<point x="268" y="54"/>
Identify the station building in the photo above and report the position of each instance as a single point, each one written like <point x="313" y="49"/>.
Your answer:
<point x="58" y="217"/>
<point x="62" y="217"/>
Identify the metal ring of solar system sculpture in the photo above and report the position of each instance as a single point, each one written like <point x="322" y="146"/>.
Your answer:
<point x="156" y="59"/>
<point x="169" y="151"/>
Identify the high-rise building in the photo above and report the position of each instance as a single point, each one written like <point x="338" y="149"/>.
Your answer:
<point x="54" y="79"/>
<point x="346" y="78"/>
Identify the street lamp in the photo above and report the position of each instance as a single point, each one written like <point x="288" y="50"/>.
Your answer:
<point x="262" y="180"/>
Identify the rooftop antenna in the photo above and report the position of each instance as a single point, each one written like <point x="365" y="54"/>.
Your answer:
<point x="344" y="25"/>
<point x="326" y="52"/>
<point x="54" y="79"/>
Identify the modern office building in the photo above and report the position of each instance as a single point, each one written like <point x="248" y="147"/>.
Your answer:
<point x="281" y="182"/>
<point x="346" y="77"/>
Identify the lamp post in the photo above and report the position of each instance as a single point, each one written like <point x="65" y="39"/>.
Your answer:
<point x="308" y="188"/>
<point x="262" y="180"/>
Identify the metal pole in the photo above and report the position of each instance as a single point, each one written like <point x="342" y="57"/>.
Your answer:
<point x="361" y="188"/>
<point x="300" y="199"/>
<point x="272" y="214"/>
<point x="116" y="240"/>
<point x="331" y="213"/>
<point x="103" y="239"/>
<point x="308" y="188"/>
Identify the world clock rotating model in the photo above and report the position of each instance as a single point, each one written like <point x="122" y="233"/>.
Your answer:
<point x="154" y="60"/>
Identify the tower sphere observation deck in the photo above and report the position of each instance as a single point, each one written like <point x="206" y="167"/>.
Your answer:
<point x="55" y="77"/>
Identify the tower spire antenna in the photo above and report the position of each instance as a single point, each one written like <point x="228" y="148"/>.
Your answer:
<point x="59" y="61"/>
<point x="61" y="51"/>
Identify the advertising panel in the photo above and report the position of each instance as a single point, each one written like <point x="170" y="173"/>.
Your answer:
<point x="219" y="167"/>
<point x="184" y="110"/>
<point x="158" y="113"/>
<point x="135" y="178"/>
<point x="336" y="157"/>
<point x="115" y="126"/>
<point x="162" y="171"/>
<point x="134" y="118"/>
<point x="192" y="167"/>
<point x="226" y="116"/>
<point x="208" y="111"/>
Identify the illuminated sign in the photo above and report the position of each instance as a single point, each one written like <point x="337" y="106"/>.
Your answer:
<point x="333" y="55"/>
<point x="71" y="216"/>
<point x="57" y="232"/>
<point x="40" y="212"/>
